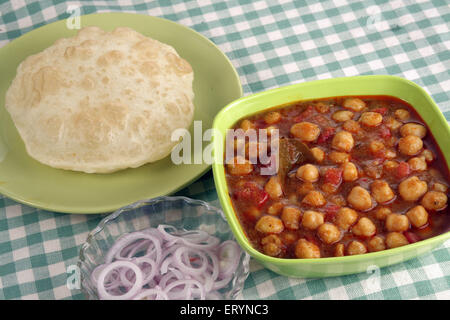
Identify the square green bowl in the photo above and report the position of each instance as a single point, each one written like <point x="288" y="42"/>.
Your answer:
<point x="360" y="85"/>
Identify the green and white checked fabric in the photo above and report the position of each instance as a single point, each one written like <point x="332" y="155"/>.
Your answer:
<point x="271" y="43"/>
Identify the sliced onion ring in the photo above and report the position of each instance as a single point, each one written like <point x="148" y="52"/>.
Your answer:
<point x="114" y="265"/>
<point x="166" y="263"/>
<point x="158" y="293"/>
<point x="128" y="239"/>
<point x="189" y="269"/>
<point x="186" y="284"/>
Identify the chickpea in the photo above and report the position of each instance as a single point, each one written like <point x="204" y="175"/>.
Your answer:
<point x="308" y="172"/>
<point x="376" y="146"/>
<point x="339" y="157"/>
<point x="412" y="189"/>
<point x="339" y="250"/>
<point x="393" y="124"/>
<point x="396" y="239"/>
<point x="397" y="222"/>
<point x="342" y="116"/>
<point x="275" y="208"/>
<point x="364" y="228"/>
<point x="349" y="172"/>
<point x="410" y="145"/>
<point x="359" y="198"/>
<point x="312" y="220"/>
<point x="253" y="213"/>
<point x="291" y="217"/>
<point x="373" y="171"/>
<point x="272" y="117"/>
<point x="354" y="104"/>
<point x="272" y="245"/>
<point x="382" y="213"/>
<point x="418" y="216"/>
<point x="240" y="183"/>
<point x="376" y="244"/>
<point x="305" y="131"/>
<point x="417" y="164"/>
<point x="345" y="218"/>
<point x="428" y="155"/>
<point x="389" y="165"/>
<point x="314" y="198"/>
<point x="381" y="191"/>
<point x="289" y="237"/>
<point x="318" y="154"/>
<point x="413" y="129"/>
<point x="247" y="124"/>
<point x="305" y="188"/>
<point x="329" y="233"/>
<point x="273" y="187"/>
<point x="371" y="119"/>
<point x="239" y="166"/>
<point x="434" y="200"/>
<point x="269" y="224"/>
<point x="356" y="247"/>
<point x="338" y="200"/>
<point x="390" y="141"/>
<point x="351" y="126"/>
<point x="390" y="154"/>
<point x="440" y="187"/>
<point x="329" y="188"/>
<point x="322" y="107"/>
<point x="306" y="250"/>
<point x="401" y="114"/>
<point x="343" y="141"/>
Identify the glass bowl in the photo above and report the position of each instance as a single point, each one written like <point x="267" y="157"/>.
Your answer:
<point x="180" y="212"/>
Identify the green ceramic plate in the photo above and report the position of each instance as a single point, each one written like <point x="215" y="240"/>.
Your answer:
<point x="362" y="85"/>
<point x="26" y="180"/>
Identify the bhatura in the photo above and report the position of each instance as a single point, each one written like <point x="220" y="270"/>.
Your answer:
<point x="101" y="101"/>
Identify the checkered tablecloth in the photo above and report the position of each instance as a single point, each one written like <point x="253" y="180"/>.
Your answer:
<point x="271" y="43"/>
